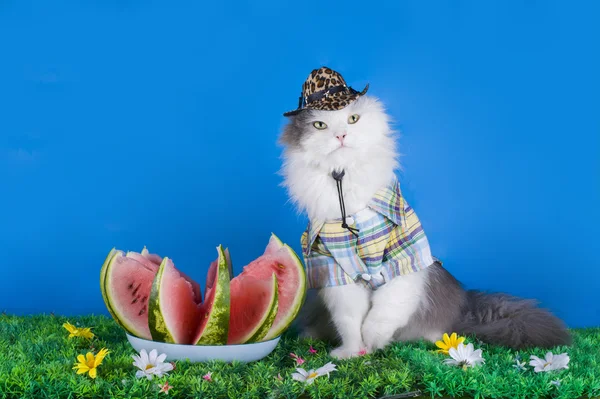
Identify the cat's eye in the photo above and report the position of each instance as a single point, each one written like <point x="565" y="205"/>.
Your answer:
<point x="320" y="125"/>
<point x="353" y="118"/>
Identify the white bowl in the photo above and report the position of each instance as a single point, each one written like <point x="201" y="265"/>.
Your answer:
<point x="202" y="353"/>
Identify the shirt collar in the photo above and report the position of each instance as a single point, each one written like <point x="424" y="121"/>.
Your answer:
<point x="388" y="202"/>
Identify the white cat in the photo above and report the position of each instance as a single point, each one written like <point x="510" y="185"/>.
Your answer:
<point x="423" y="304"/>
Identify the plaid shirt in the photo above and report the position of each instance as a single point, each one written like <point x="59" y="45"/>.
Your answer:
<point x="390" y="243"/>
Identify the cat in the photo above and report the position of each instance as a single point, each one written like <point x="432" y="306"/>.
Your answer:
<point x="359" y="140"/>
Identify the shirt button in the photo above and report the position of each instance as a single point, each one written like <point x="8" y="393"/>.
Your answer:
<point x="366" y="276"/>
<point x="350" y="220"/>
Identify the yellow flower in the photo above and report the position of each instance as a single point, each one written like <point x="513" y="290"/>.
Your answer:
<point x="89" y="363"/>
<point x="78" y="332"/>
<point x="448" y="342"/>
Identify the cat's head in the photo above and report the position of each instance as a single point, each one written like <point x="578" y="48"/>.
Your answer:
<point x="340" y="138"/>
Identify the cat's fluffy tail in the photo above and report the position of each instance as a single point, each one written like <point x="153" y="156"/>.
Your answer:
<point x="502" y="319"/>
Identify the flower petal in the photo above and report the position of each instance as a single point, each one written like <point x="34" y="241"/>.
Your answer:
<point x="100" y="356"/>
<point x="441" y="345"/>
<point x="138" y="364"/>
<point x="446" y="339"/>
<point x="302" y="372"/>
<point x="537" y="363"/>
<point x="161" y="358"/>
<point x="69" y="327"/>
<point x="144" y="357"/>
<point x="93" y="372"/>
<point x="298" y="377"/>
<point x="153" y="356"/>
<point x="89" y="359"/>
<point x="326" y="369"/>
<point x="453" y="352"/>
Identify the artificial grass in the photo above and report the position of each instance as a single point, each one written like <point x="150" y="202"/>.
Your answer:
<point x="36" y="360"/>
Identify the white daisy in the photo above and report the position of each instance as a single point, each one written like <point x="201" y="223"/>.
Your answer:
<point x="551" y="362"/>
<point x="309" y="376"/>
<point x="151" y="365"/>
<point x="465" y="356"/>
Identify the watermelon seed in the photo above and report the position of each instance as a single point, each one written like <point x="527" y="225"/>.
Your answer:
<point x="135" y="300"/>
<point x="137" y="288"/>
<point x="130" y="286"/>
<point x="142" y="311"/>
<point x="144" y="299"/>
<point x="281" y="266"/>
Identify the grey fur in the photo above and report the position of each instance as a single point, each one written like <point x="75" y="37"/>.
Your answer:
<point x="511" y="321"/>
<point x="314" y="320"/>
<point x="296" y="129"/>
<point x="494" y="318"/>
<point x="441" y="308"/>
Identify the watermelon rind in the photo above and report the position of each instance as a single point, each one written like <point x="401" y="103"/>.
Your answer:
<point x="285" y="322"/>
<point x="109" y="257"/>
<point x="263" y="329"/>
<point x="217" y="327"/>
<point x="156" y="321"/>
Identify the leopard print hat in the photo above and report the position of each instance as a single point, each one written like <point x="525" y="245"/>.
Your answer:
<point x="325" y="89"/>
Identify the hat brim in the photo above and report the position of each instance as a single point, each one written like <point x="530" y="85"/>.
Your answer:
<point x="334" y="102"/>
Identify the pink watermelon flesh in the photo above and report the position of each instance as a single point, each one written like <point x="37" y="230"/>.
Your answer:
<point x="250" y="298"/>
<point x="178" y="305"/>
<point x="128" y="284"/>
<point x="273" y="247"/>
<point x="154" y="261"/>
<point x="154" y="258"/>
<point x="276" y="259"/>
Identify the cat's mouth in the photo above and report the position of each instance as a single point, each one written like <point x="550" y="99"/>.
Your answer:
<point x="340" y="148"/>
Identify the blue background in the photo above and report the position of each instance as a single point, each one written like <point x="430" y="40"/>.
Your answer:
<point x="132" y="123"/>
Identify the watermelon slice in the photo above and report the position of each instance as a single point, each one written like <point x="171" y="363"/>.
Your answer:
<point x="127" y="285"/>
<point x="173" y="310"/>
<point x="154" y="261"/>
<point x="154" y="258"/>
<point x="102" y="278"/>
<point x="214" y="313"/>
<point x="291" y="280"/>
<point x="253" y="309"/>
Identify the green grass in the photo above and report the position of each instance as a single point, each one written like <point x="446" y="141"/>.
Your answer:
<point x="36" y="360"/>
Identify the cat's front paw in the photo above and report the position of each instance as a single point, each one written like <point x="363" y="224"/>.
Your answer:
<point x="346" y="352"/>
<point x="376" y="335"/>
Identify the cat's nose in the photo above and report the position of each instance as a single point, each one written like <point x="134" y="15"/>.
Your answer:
<point x="341" y="138"/>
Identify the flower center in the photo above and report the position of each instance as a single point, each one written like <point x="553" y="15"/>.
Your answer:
<point x="149" y="366"/>
<point x="313" y="375"/>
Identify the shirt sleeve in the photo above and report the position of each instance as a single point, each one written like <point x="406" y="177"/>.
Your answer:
<point x="320" y="264"/>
